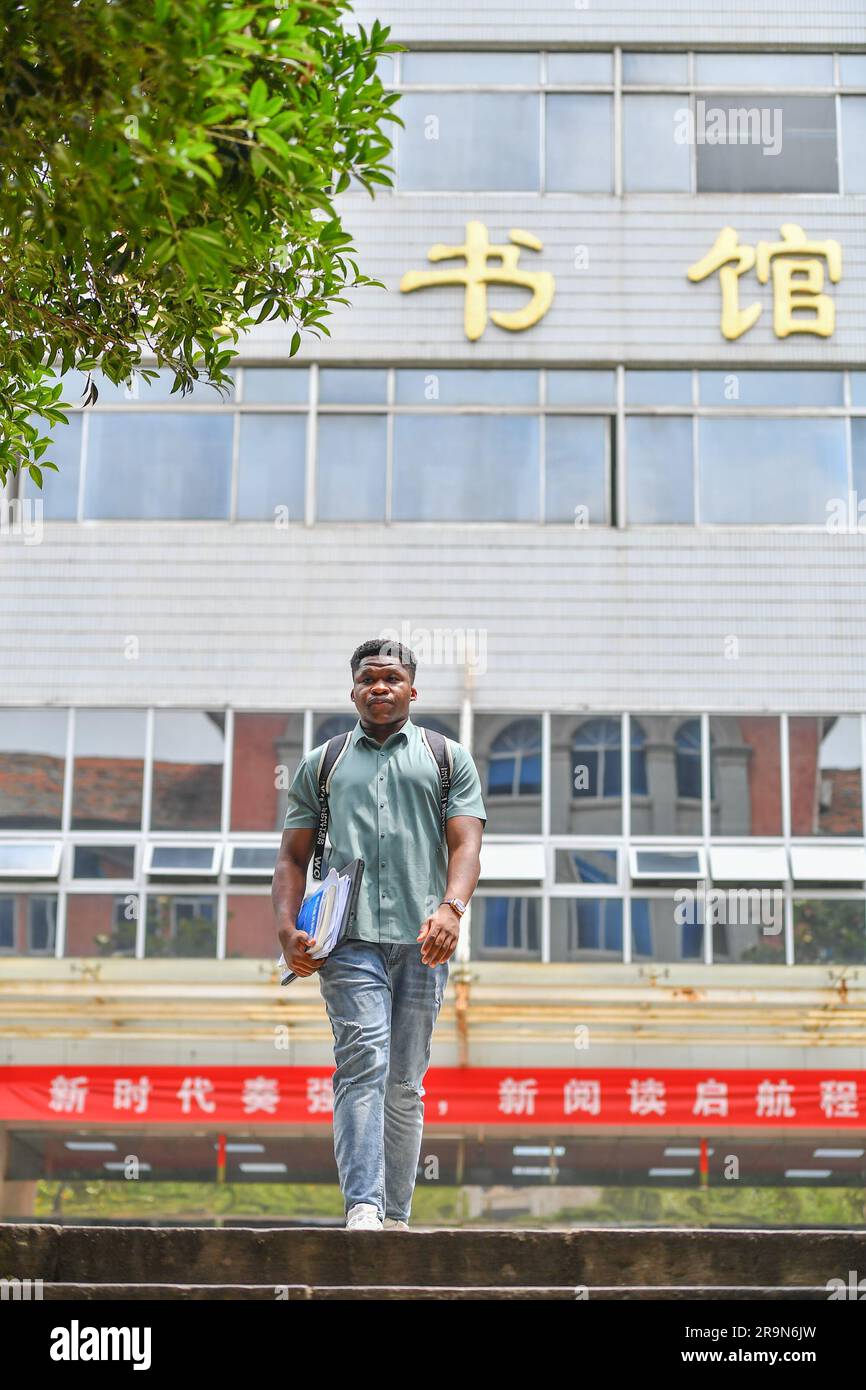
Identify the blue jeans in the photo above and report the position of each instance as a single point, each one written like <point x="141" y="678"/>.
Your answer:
<point x="382" y="1002"/>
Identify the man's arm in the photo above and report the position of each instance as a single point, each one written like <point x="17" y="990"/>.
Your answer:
<point x="287" y="893"/>
<point x="440" y="933"/>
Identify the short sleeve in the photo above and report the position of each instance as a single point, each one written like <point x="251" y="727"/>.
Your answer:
<point x="302" y="811"/>
<point x="464" y="794"/>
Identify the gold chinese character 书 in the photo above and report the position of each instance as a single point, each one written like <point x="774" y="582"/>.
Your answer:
<point x="479" y="273"/>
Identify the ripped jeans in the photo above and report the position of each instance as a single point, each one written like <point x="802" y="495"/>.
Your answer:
<point x="382" y="1002"/>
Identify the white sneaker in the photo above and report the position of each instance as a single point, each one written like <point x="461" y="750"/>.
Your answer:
<point x="363" y="1217"/>
<point x="392" y="1225"/>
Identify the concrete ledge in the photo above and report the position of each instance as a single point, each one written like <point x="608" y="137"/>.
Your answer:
<point x="438" y="1259"/>
<point x="265" y="1293"/>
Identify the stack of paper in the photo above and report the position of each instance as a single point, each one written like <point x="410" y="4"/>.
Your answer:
<point x="321" y="914"/>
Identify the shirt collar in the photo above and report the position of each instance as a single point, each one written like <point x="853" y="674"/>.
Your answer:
<point x="402" y="735"/>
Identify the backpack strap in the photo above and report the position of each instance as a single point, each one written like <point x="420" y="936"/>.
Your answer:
<point x="331" y="755"/>
<point x="439" y="749"/>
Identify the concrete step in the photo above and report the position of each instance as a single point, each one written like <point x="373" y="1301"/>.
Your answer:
<point x="321" y="1261"/>
<point x="267" y="1293"/>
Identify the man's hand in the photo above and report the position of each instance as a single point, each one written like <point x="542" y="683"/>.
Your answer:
<point x="439" y="936"/>
<point x="296" y="944"/>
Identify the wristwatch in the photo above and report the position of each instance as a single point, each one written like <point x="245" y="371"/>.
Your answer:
<point x="458" y="905"/>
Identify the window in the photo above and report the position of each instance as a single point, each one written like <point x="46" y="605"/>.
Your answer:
<point x="829" y="931"/>
<point x="32" y="765"/>
<point x="468" y="142"/>
<point x="177" y="465"/>
<point x="187" y="770"/>
<point x="825" y="756"/>
<point x="747" y="790"/>
<point x="267" y="750"/>
<point x="40" y="859"/>
<point x="509" y="926"/>
<point x="433" y="479"/>
<point x="515" y="760"/>
<point x="272" y="467"/>
<point x="688" y="759"/>
<point x="108" y="770"/>
<point x="585" y="929"/>
<point x="41" y="925"/>
<point x="181" y="926"/>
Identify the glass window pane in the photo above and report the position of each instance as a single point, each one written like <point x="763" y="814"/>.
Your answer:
<point x="35" y="860"/>
<point x="250" y="931"/>
<point x="188" y="748"/>
<point x="765" y="69"/>
<point x="656" y="68"/>
<point x="576" y="452"/>
<point x="181" y="925"/>
<point x="476" y="69"/>
<point x="852" y="69"/>
<point x="665" y="775"/>
<point x="466" y="387"/>
<point x="758" y="471"/>
<point x="854" y="143"/>
<point x="771" y="145"/>
<point x="327" y="726"/>
<point x="579" y="144"/>
<point x="103" y="861"/>
<point x="581" y="388"/>
<point x="468" y="141"/>
<point x="272" y="467"/>
<point x="574" y="69"/>
<point x="350" y="483"/>
<point x="267" y="750"/>
<point x="159" y="390"/>
<point x="654" y="159"/>
<point x="858" y="450"/>
<point x="59" y="491"/>
<point x="825" y="757"/>
<point x="747" y="775"/>
<point x="505" y="928"/>
<point x="748" y="924"/>
<point x="657" y="935"/>
<point x="858" y="388"/>
<point x="586" y="774"/>
<point x="108" y="773"/>
<point x="276" y="385"/>
<point x="586" y="929"/>
<point x="770" y="388"/>
<point x="41" y="916"/>
<point x="586" y="866"/>
<point x="101" y="924"/>
<point x="462" y="467"/>
<point x="829" y="931"/>
<point x="353" y="386"/>
<point x="659" y="464"/>
<point x="507" y="753"/>
<point x="658" y="388"/>
<point x="32" y="763"/>
<point x="158" y="465"/>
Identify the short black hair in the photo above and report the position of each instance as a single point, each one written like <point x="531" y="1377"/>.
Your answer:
<point x="384" y="646"/>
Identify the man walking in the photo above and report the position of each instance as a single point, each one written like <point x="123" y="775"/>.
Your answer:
<point x="384" y="983"/>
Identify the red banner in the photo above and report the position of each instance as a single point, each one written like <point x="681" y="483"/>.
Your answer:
<point x="549" y="1096"/>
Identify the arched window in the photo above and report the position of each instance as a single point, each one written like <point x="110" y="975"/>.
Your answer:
<point x="596" y="759"/>
<point x="331" y="725"/>
<point x="514" y="765"/>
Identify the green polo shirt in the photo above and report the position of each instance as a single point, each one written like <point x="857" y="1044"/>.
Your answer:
<point x="384" y="809"/>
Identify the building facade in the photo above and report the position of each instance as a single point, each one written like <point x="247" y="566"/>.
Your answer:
<point x="597" y="452"/>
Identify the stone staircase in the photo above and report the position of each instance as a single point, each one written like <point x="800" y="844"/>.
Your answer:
<point x="128" y="1262"/>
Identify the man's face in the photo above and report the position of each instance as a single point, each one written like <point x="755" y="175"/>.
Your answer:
<point x="382" y="690"/>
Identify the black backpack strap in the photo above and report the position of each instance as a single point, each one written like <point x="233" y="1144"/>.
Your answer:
<point x="331" y="754"/>
<point x="439" y="749"/>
